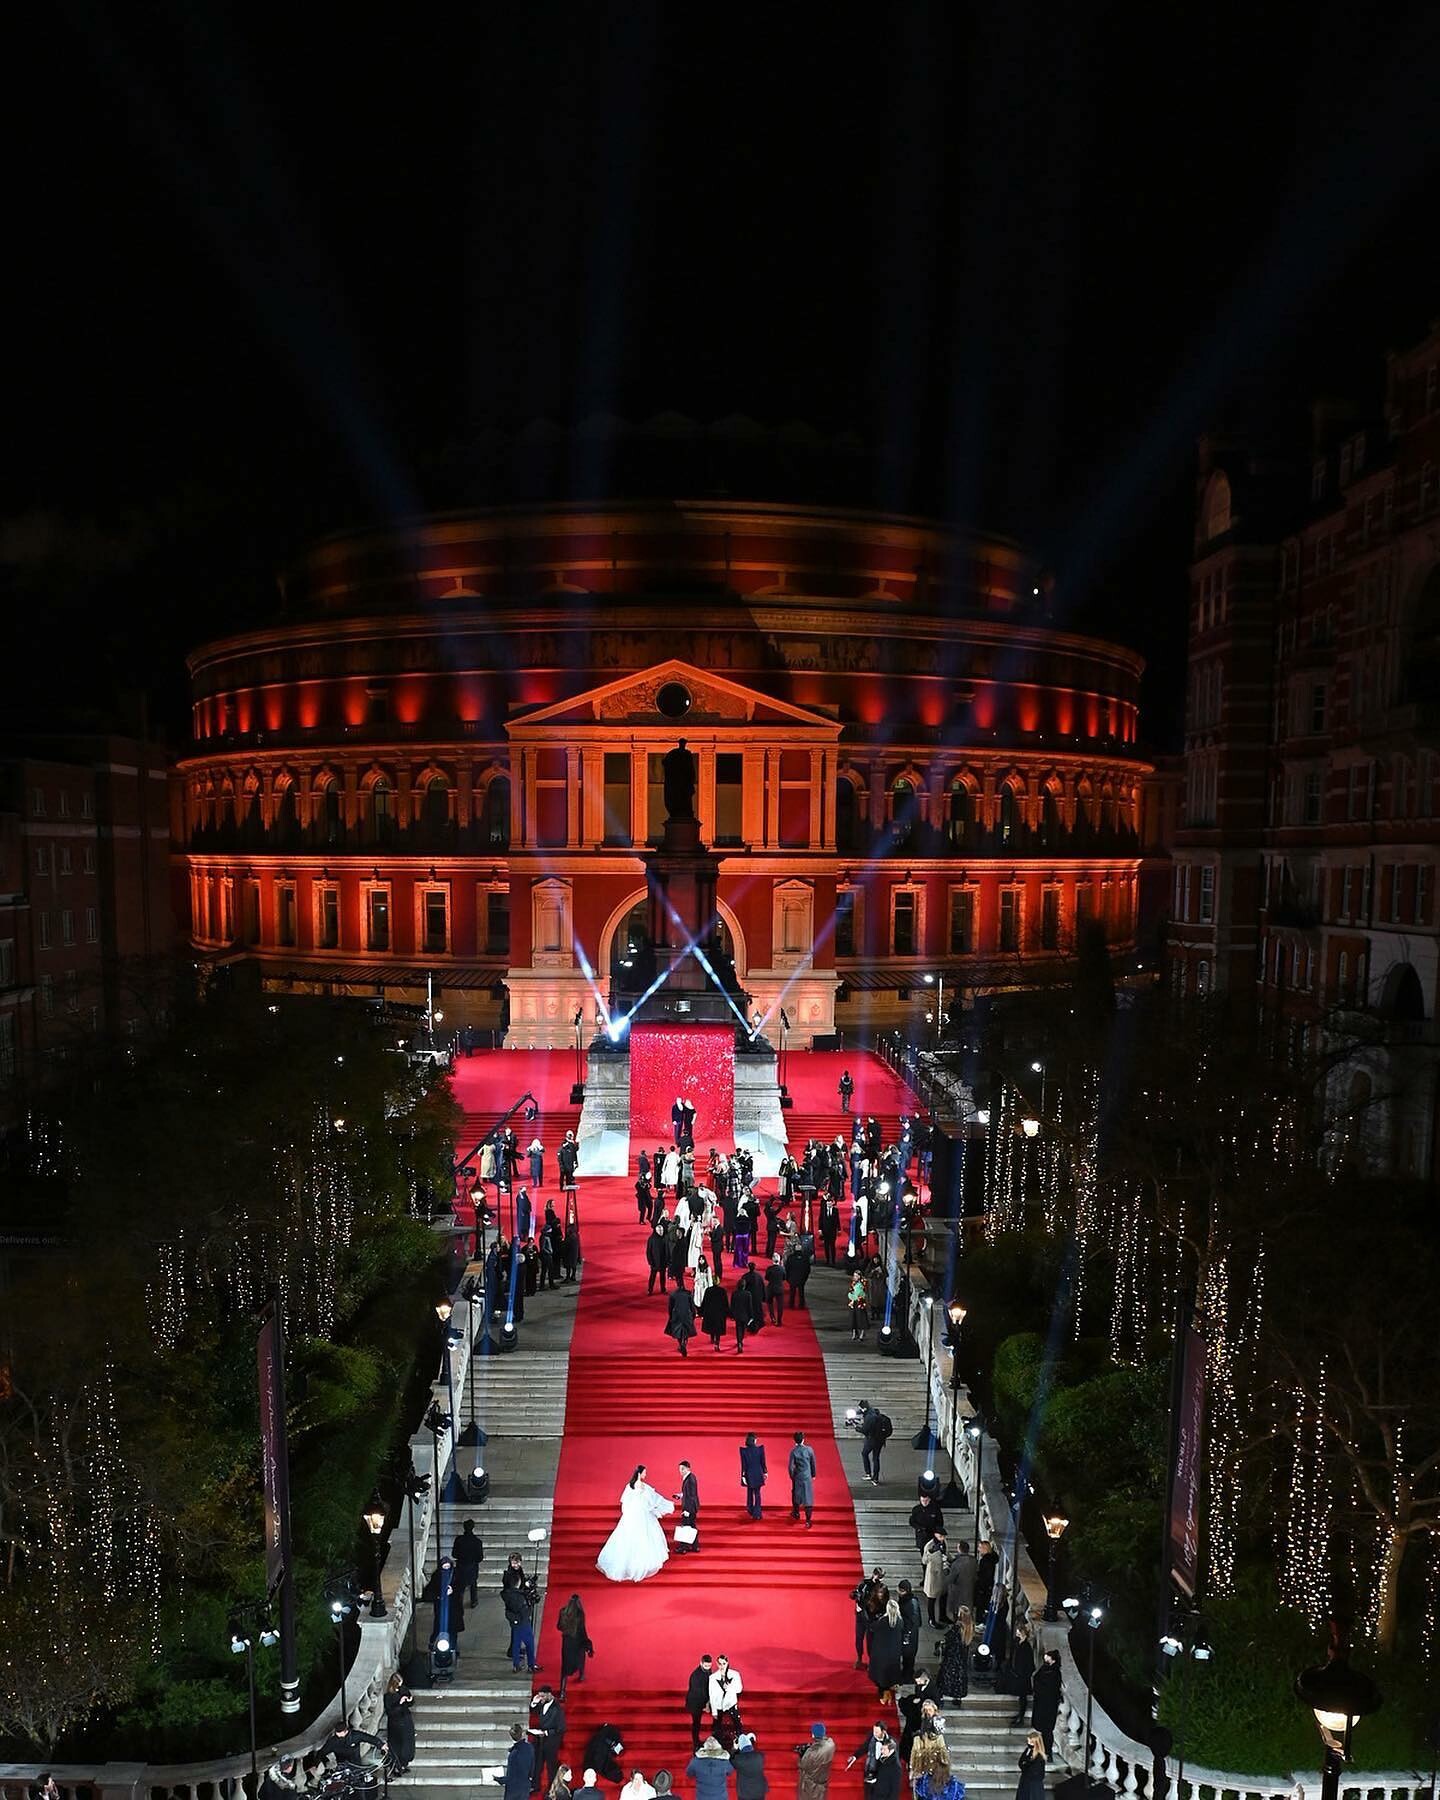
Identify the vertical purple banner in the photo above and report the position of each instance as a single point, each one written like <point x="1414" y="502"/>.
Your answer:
<point x="274" y="1450"/>
<point x="1185" y="1476"/>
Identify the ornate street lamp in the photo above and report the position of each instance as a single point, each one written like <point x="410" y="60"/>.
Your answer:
<point x="374" y="1517"/>
<point x="955" y="1310"/>
<point x="1055" y="1524"/>
<point x="1338" y="1696"/>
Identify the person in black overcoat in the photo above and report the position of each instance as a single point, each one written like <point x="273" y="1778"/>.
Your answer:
<point x="775" y="1290"/>
<point x="752" y="1282"/>
<point x="829" y="1226"/>
<point x="643" y="1197"/>
<point x="884" y="1651"/>
<point x="1031" y="1785"/>
<point x="681" y="1324"/>
<point x="752" y="1475"/>
<point x="1045" y="1705"/>
<point x="657" y="1254"/>
<point x="570" y="1257"/>
<point x="715" y="1312"/>
<point x="797" y="1272"/>
<point x="678" y="1244"/>
<point x="697" y="1698"/>
<point x="742" y="1314"/>
<point x="1020" y="1671"/>
<point x="400" y="1724"/>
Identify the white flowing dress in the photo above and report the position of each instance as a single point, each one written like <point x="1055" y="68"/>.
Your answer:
<point x="636" y="1548"/>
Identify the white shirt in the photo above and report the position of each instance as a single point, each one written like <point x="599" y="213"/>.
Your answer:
<point x="725" y="1690"/>
<point x="637" y="1788"/>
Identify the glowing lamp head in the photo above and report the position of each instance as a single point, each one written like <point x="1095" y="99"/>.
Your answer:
<point x="1055" y="1524"/>
<point x="239" y="1644"/>
<point x="442" y="1644"/>
<point x="374" y="1516"/>
<point x="982" y="1115"/>
<point x="536" y="1534"/>
<point x="1170" y="1645"/>
<point x="1031" y="1127"/>
<point x="956" y="1311"/>
<point x="338" y="1609"/>
<point x="1038" y="1067"/>
<point x="444" y="1308"/>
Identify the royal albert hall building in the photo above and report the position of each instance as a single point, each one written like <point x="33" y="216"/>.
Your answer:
<point x="444" y="757"/>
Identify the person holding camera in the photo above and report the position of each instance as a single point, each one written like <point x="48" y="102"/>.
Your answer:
<point x="869" y="1596"/>
<point x="816" y="1757"/>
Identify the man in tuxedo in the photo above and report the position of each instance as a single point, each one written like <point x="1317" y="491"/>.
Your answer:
<point x="697" y="1698"/>
<point x="689" y="1503"/>
<point x="547" y="1734"/>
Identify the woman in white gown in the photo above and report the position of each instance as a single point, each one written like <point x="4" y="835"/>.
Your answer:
<point x="636" y="1548"/>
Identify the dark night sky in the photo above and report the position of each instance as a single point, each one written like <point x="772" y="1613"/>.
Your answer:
<point x="267" y="261"/>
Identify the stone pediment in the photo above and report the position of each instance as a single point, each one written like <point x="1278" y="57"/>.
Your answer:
<point x="636" y="699"/>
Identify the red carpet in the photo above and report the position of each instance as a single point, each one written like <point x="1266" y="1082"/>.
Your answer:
<point x="770" y="1595"/>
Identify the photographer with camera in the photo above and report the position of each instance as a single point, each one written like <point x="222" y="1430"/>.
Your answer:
<point x="813" y="1782"/>
<point x="869" y="1596"/>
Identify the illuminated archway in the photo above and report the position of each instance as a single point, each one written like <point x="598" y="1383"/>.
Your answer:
<point x="607" y="935"/>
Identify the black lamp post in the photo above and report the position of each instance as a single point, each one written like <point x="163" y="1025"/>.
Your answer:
<point x="954" y="1494"/>
<point x="921" y="1439"/>
<point x="1187" y="1641"/>
<point x="1055" y="1524"/>
<point x="443" y="1309"/>
<point x="1092" y="1614"/>
<point x="244" y="1629"/>
<point x="342" y="1604"/>
<point x="975" y="1431"/>
<point x="577" y="1091"/>
<point x="1338" y="1696"/>
<point x="374" y="1516"/>
<point x="416" y="1488"/>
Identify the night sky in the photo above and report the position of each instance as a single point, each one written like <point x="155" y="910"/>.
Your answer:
<point x="268" y="264"/>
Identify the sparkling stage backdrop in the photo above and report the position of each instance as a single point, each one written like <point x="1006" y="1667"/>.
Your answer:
<point x="695" y="1062"/>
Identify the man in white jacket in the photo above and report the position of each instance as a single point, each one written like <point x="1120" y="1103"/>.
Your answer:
<point x="726" y="1688"/>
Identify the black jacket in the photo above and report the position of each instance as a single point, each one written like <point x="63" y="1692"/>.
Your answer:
<point x="657" y="1251"/>
<point x="885" y="1784"/>
<point x="750" y="1779"/>
<point x="697" y="1690"/>
<point x="714" y="1308"/>
<point x="468" y="1551"/>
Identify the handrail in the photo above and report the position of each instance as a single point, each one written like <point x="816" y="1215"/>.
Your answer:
<point x="1111" y="1756"/>
<point x="378" y="1655"/>
<point x="489" y="1132"/>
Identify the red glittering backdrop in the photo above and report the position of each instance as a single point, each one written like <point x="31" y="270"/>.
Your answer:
<point x="696" y="1062"/>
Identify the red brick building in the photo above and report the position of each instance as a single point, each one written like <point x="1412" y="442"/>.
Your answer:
<point x="1305" y="873"/>
<point x="443" y="759"/>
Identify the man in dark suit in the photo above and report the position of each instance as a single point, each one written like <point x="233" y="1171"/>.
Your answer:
<point x="519" y="1765"/>
<point x="697" y="1698"/>
<point x="689" y="1502"/>
<point x="752" y="1474"/>
<point x="547" y="1734"/>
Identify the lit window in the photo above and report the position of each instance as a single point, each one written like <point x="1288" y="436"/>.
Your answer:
<point x="328" y="924"/>
<point x="1009" y="918"/>
<point x="962" y="921"/>
<point x="902" y="923"/>
<point x="377" y="914"/>
<point x="435" y="927"/>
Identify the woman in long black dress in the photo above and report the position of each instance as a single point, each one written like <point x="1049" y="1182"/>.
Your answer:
<point x="400" y="1724"/>
<point x="575" y="1645"/>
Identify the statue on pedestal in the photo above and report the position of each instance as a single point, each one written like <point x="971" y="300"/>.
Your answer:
<point x="679" y="767"/>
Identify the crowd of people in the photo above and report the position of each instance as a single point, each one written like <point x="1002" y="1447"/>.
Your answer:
<point x="542" y="1246"/>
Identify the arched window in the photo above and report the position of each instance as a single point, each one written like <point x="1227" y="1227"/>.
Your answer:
<point x="326" y="813"/>
<point x="287" y="823"/>
<point x="380" y="810"/>
<point x="903" y="808"/>
<point x="1008" y="821"/>
<point x="960" y="818"/>
<point x="435" y="807"/>
<point x="847" y="815"/>
<point x="1049" y="818"/>
<point x="497" y="813"/>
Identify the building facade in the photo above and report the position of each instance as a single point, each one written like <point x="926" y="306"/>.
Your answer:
<point x="85" y="899"/>
<point x="443" y="761"/>
<point x="1305" y="872"/>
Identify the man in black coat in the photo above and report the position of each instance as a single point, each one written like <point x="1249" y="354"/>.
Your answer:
<point x="927" y="1520"/>
<point x="985" y="1569"/>
<point x="797" y="1273"/>
<point x="467" y="1553"/>
<point x="775" y="1289"/>
<point x="602" y="1753"/>
<point x="678" y="1245"/>
<point x="873" y="1437"/>
<point x="681" y="1324"/>
<point x="829" y="1226"/>
<point x="742" y="1314"/>
<point x="752" y="1475"/>
<point x="643" y="1197"/>
<point x="657" y="1254"/>
<point x="547" y="1734"/>
<point x="519" y="1765"/>
<point x="688" y="1500"/>
<point x="697" y="1698"/>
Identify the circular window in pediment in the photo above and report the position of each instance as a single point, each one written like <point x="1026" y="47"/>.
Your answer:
<point x="674" y="700"/>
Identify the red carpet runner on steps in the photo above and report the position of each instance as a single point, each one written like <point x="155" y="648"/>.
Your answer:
<point x="771" y="1595"/>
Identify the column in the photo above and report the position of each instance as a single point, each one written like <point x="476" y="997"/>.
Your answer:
<point x="772" y="798"/>
<point x="572" y="799"/>
<point x="639" y="776"/>
<point x="464" y="793"/>
<point x="822" y="822"/>
<point x="522" y="797"/>
<point x="705" y="797"/>
<point x="352" y="802"/>
<point x="753" y="797"/>
<point x="592" y="795"/>
<point x="877" y="799"/>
